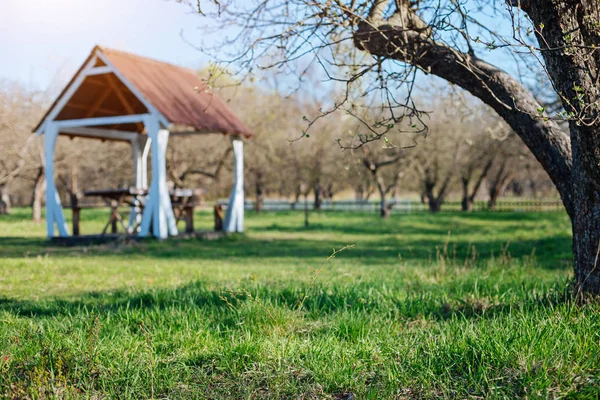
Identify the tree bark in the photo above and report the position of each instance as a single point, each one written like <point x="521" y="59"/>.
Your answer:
<point x="318" y="192"/>
<point x="492" y="201"/>
<point x="297" y="195"/>
<point x="4" y="200"/>
<point x="497" y="188"/>
<point x="435" y="205"/>
<point x="575" y="75"/>
<point x="467" y="200"/>
<point x="37" y="196"/>
<point x="259" y="190"/>
<point x="434" y="202"/>
<point x="260" y="197"/>
<point x="384" y="208"/>
<point x="586" y="219"/>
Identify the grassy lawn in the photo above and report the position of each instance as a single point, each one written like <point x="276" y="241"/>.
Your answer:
<point x="424" y="306"/>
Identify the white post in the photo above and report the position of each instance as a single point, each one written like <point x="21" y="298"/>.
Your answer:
<point x="158" y="211"/>
<point x="165" y="199"/>
<point x="54" y="211"/>
<point x="144" y="163"/>
<point x="234" y="220"/>
<point x="139" y="147"/>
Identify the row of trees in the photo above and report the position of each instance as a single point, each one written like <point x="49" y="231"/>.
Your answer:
<point x="467" y="152"/>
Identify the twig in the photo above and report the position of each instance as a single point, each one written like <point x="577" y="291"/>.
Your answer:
<point x="318" y="271"/>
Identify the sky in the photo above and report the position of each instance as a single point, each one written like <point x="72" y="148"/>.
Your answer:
<point x="43" y="42"/>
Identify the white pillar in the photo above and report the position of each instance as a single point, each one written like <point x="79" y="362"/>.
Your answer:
<point x="158" y="211"/>
<point x="234" y="220"/>
<point x="54" y="211"/>
<point x="139" y="149"/>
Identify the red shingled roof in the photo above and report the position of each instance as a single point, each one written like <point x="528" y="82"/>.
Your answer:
<point x="178" y="93"/>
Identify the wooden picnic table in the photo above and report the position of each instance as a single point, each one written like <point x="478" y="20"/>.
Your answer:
<point x="115" y="199"/>
<point x="183" y="201"/>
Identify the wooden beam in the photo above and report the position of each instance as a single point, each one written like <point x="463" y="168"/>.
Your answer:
<point x="111" y="82"/>
<point x="99" y="71"/>
<point x="152" y="110"/>
<point x="121" y="119"/>
<point x="89" y="114"/>
<point x="96" y="106"/>
<point x="192" y="133"/>
<point x="111" y="134"/>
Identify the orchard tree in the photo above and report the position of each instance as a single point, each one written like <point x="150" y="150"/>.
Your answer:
<point x="21" y="154"/>
<point x="436" y="164"/>
<point x="386" y="166"/>
<point x="477" y="156"/>
<point x="389" y="43"/>
<point x="509" y="162"/>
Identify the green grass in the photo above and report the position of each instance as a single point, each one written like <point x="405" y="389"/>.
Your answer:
<point x="424" y="306"/>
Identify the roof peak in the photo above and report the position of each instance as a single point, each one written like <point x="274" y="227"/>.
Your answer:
<point x="177" y="94"/>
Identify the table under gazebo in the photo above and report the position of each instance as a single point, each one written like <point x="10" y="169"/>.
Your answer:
<point x="117" y="96"/>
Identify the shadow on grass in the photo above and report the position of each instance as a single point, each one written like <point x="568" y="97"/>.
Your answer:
<point x="550" y="252"/>
<point x="421" y="223"/>
<point x="428" y="302"/>
<point x="410" y="237"/>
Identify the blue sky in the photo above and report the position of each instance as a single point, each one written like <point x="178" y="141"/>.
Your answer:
<point x="43" y="42"/>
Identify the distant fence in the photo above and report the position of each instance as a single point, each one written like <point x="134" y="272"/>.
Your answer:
<point x="409" y="206"/>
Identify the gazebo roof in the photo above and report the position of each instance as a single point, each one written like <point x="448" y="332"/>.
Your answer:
<point x="114" y="83"/>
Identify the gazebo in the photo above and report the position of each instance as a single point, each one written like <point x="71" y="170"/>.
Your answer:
<point x="124" y="97"/>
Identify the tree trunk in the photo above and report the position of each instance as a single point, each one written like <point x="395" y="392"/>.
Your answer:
<point x="297" y="195"/>
<point x="498" y="187"/>
<point x="4" y="200"/>
<point x="467" y="204"/>
<point x="586" y="221"/>
<point x="260" y="198"/>
<point x="435" y="205"/>
<point x="359" y="193"/>
<point x="37" y="197"/>
<point x="318" y="200"/>
<point x="533" y="187"/>
<point x="467" y="201"/>
<point x="495" y="192"/>
<point x="306" y="222"/>
<point x="384" y="208"/>
<point x="574" y="72"/>
<point x="492" y="200"/>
